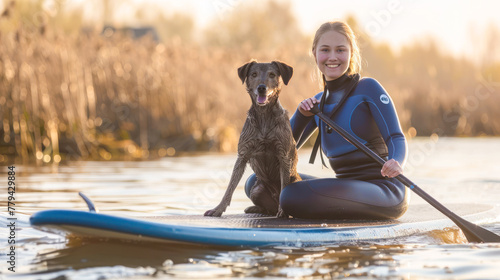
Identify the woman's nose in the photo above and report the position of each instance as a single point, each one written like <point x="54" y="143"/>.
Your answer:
<point x="332" y="56"/>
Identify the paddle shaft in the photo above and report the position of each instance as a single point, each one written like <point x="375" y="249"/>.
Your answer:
<point x="474" y="233"/>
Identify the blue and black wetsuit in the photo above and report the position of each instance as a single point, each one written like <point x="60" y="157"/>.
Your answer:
<point x="359" y="191"/>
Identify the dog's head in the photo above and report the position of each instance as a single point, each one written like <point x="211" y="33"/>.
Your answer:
<point x="263" y="80"/>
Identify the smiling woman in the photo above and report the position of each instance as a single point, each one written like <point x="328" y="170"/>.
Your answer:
<point x="361" y="190"/>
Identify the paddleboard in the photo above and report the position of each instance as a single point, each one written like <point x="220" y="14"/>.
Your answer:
<point x="253" y="230"/>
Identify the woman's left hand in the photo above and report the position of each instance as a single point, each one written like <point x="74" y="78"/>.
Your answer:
<point x="391" y="169"/>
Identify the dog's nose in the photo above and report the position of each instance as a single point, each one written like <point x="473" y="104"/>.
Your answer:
<point x="261" y="88"/>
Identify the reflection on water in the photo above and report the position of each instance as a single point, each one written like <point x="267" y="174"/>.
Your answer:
<point x="447" y="169"/>
<point x="115" y="259"/>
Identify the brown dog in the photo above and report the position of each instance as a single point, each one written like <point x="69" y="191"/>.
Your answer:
<point x="266" y="141"/>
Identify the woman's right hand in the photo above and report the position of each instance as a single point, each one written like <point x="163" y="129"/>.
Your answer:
<point x="306" y="105"/>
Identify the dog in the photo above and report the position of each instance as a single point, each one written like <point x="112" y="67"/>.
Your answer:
<point x="266" y="141"/>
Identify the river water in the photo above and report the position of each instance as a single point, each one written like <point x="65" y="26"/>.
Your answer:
<point x="452" y="170"/>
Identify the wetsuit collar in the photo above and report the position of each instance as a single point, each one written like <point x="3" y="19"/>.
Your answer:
<point x="338" y="83"/>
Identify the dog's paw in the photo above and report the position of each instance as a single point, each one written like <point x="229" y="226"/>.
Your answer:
<point x="281" y="214"/>
<point x="213" y="213"/>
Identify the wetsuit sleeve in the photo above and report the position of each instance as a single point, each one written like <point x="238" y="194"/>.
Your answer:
<point x="385" y="116"/>
<point x="302" y="127"/>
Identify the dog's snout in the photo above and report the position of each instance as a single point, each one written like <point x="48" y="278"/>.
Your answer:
<point x="261" y="88"/>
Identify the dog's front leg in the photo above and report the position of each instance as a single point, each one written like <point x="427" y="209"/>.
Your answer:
<point x="285" y="180"/>
<point x="238" y="170"/>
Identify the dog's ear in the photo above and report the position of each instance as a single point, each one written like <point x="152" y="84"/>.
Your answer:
<point x="286" y="71"/>
<point x="243" y="71"/>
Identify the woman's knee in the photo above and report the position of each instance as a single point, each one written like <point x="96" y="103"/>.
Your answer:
<point x="252" y="179"/>
<point x="295" y="198"/>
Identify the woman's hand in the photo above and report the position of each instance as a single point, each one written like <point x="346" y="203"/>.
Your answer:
<point x="391" y="169"/>
<point x="306" y="105"/>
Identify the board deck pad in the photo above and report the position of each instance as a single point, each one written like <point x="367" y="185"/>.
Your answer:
<point x="249" y="230"/>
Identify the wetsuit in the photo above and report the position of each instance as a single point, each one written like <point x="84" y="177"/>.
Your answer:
<point x="359" y="191"/>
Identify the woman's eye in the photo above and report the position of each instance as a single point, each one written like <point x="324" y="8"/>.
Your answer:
<point x="324" y="50"/>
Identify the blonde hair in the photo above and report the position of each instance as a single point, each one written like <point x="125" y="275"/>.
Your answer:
<point x="344" y="29"/>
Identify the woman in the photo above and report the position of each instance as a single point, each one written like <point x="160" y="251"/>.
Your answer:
<point x="362" y="190"/>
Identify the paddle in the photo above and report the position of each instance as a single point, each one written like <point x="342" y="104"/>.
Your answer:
<point x="473" y="233"/>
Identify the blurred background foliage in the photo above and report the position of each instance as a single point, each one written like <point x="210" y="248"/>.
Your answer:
<point x="70" y="90"/>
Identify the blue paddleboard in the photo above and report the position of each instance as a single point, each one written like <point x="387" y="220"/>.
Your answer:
<point x="253" y="230"/>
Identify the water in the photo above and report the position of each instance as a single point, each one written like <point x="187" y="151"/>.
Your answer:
<point x="453" y="170"/>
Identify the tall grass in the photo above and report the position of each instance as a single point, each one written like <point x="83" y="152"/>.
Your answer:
<point x="88" y="96"/>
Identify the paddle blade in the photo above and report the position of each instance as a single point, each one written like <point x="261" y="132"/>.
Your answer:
<point x="475" y="233"/>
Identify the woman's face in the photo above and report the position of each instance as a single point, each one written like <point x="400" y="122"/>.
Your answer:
<point x="333" y="54"/>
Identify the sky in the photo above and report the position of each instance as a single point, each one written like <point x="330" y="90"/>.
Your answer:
<point x="454" y="24"/>
<point x="457" y="25"/>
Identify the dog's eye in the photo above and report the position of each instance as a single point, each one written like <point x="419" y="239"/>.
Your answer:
<point x="254" y="74"/>
<point x="272" y="75"/>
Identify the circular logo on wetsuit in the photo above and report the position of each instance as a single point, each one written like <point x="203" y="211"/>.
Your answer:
<point x="384" y="99"/>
